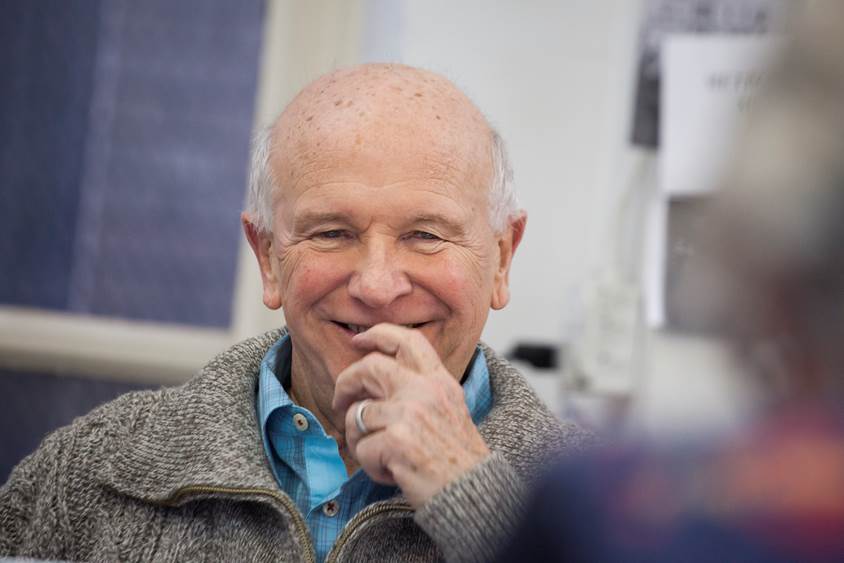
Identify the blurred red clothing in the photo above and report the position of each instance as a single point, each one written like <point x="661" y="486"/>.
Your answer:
<point x="772" y="492"/>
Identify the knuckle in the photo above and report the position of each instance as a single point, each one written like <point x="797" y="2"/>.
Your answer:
<point x="377" y="363"/>
<point x="396" y="436"/>
<point x="370" y="361"/>
<point x="413" y="410"/>
<point x="343" y="380"/>
<point x="452" y="389"/>
<point x="368" y="450"/>
<point x="418" y="339"/>
<point x="445" y="391"/>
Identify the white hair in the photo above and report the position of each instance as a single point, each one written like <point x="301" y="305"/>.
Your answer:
<point x="260" y="200"/>
<point x="261" y="191"/>
<point x="503" y="204"/>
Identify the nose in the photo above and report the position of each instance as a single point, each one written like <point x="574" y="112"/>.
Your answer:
<point x="379" y="278"/>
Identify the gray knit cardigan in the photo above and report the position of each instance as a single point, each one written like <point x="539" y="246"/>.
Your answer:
<point x="180" y="474"/>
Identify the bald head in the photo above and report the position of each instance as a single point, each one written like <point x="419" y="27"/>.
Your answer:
<point x="382" y="100"/>
<point x="380" y="112"/>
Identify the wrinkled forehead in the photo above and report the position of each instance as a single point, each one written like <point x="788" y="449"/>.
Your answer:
<point x="388" y="111"/>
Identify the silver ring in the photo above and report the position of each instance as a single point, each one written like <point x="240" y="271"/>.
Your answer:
<point x="359" y="417"/>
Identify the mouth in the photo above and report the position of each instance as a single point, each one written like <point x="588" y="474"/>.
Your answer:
<point x="357" y="329"/>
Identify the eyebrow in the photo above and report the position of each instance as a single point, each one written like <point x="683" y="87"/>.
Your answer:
<point x="311" y="219"/>
<point x="452" y="225"/>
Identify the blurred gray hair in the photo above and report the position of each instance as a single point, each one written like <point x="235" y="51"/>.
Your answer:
<point x="780" y="224"/>
<point x="260" y="200"/>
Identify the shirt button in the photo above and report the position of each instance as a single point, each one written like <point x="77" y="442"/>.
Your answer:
<point x="301" y="421"/>
<point x="330" y="509"/>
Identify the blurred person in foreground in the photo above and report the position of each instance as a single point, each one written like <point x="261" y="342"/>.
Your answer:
<point x="774" y="489"/>
<point x="375" y="426"/>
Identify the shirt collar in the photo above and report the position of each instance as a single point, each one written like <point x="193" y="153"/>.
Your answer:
<point x="476" y="389"/>
<point x="271" y="392"/>
<point x="274" y="380"/>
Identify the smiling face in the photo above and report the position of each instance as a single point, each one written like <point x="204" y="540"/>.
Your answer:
<point x="382" y="216"/>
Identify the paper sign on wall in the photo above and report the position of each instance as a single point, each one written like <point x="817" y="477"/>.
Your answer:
<point x="709" y="83"/>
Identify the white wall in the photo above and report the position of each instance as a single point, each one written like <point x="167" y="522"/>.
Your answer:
<point x="555" y="78"/>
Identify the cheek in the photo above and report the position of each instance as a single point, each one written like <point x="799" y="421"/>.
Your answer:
<point x="463" y="280"/>
<point x="307" y="276"/>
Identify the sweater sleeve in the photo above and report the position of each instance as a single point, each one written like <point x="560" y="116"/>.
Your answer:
<point x="473" y="516"/>
<point x="16" y="505"/>
<point x="29" y="505"/>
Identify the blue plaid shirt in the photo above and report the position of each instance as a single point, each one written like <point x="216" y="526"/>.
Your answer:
<point x="305" y="460"/>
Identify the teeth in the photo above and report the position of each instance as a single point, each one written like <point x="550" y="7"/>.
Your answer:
<point x="357" y="329"/>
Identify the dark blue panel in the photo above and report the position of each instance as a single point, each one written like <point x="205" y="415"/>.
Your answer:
<point x="125" y="131"/>
<point x="168" y="153"/>
<point x="47" y="58"/>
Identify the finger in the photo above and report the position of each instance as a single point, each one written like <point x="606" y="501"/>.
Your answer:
<point x="382" y="453"/>
<point x="353" y="434"/>
<point x="375" y="376"/>
<point x="410" y="347"/>
<point x="376" y="416"/>
<point x="373" y="456"/>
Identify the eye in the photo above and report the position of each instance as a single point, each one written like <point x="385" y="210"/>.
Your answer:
<point x="423" y="235"/>
<point x="333" y="234"/>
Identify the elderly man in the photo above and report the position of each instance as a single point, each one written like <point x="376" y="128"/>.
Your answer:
<point x="375" y="427"/>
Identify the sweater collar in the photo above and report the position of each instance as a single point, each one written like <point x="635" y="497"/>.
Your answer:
<point x="205" y="432"/>
<point x="201" y="433"/>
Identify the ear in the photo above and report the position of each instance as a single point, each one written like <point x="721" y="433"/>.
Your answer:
<point x="508" y="242"/>
<point x="261" y="244"/>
